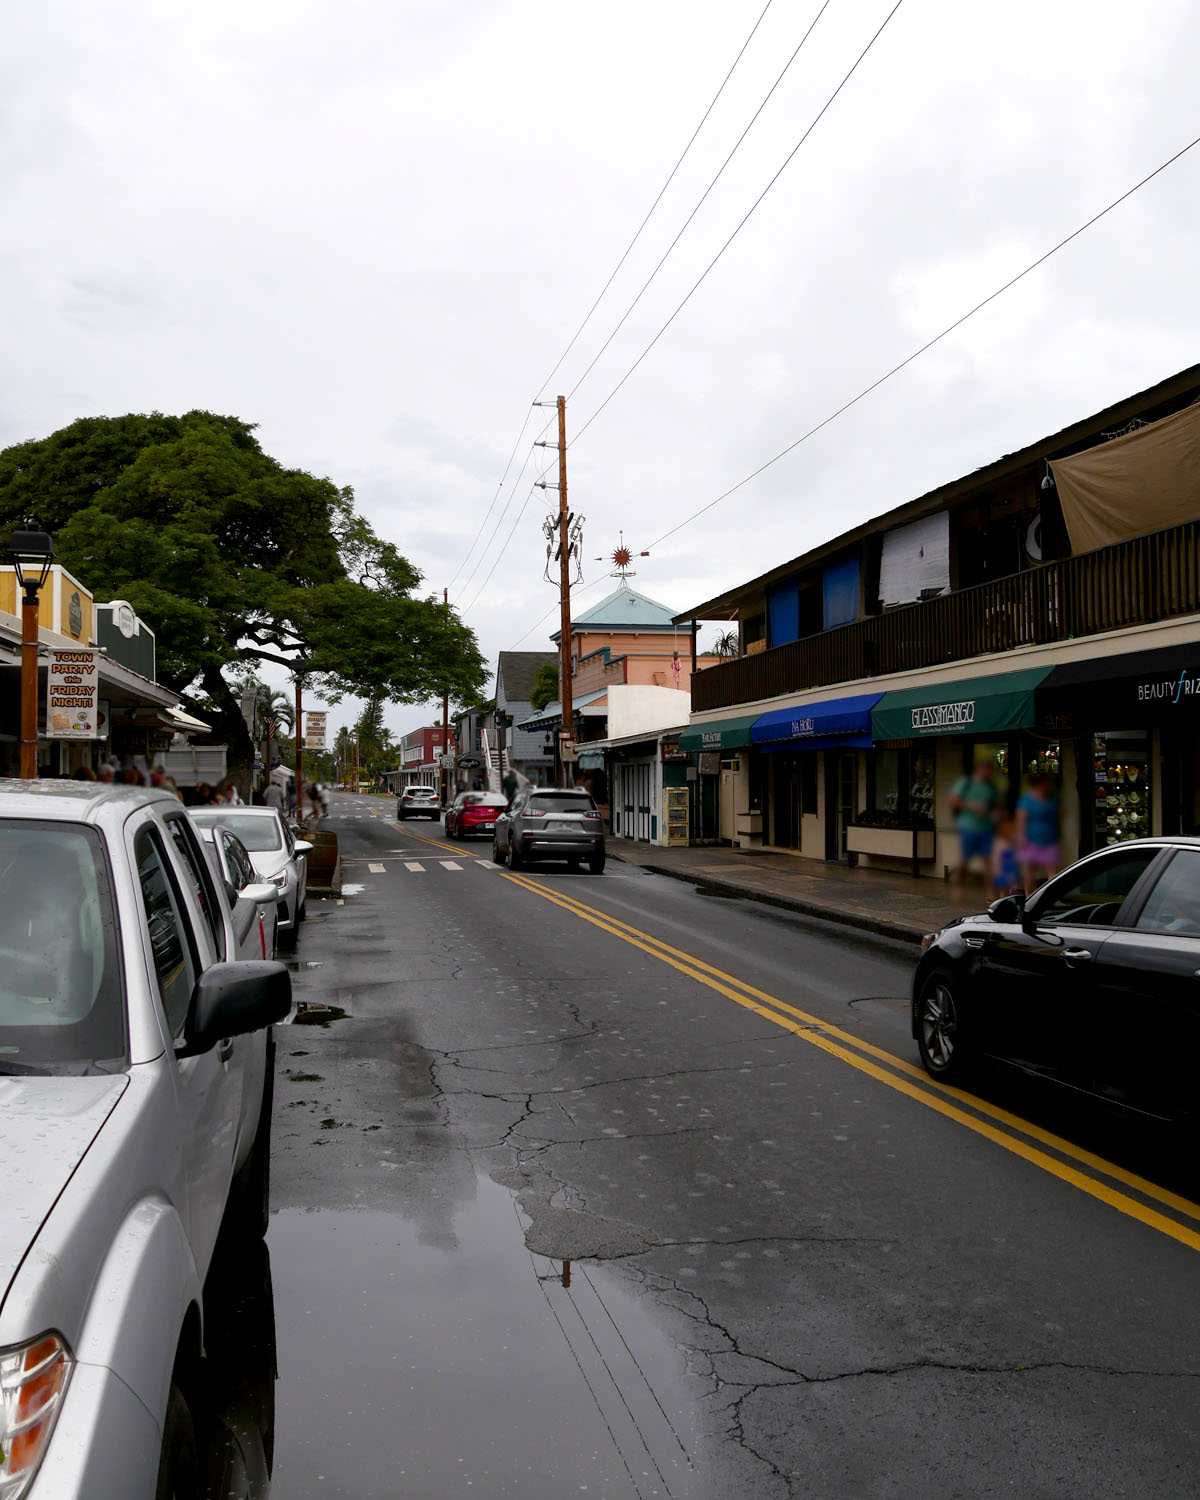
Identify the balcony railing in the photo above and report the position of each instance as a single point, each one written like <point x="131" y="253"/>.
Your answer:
<point x="1131" y="583"/>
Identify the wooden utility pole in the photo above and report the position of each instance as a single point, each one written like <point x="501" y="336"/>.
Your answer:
<point x="299" y="754"/>
<point x="564" y="585"/>
<point x="444" y="771"/>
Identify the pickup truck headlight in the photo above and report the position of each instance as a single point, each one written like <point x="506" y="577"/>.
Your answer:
<point x="33" y="1377"/>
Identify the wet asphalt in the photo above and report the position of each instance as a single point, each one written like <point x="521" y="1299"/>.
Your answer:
<point x="601" y="1185"/>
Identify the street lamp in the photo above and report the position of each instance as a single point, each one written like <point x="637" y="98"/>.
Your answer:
<point x="31" y="552"/>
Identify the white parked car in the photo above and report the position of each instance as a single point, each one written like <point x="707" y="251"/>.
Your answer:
<point x="254" y="901"/>
<point x="418" y="802"/>
<point x="136" y="1067"/>
<point x="275" y="852"/>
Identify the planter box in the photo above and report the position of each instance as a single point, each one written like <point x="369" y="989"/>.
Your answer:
<point x="890" y="843"/>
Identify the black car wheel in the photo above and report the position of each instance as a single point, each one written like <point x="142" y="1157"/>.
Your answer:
<point x="596" y="863"/>
<point x="515" y="858"/>
<point x="937" y="1027"/>
<point x="497" y="853"/>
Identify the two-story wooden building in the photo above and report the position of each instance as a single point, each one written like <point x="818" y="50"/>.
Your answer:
<point x="1042" y="613"/>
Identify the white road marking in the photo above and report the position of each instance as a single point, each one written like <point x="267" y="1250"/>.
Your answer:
<point x="411" y="864"/>
<point x="377" y="869"/>
<point x="448" y="864"/>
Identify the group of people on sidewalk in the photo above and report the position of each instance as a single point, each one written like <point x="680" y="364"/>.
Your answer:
<point x="1016" y="852"/>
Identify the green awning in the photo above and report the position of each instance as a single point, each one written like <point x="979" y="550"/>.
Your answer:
<point x="718" y="734"/>
<point x="972" y="705"/>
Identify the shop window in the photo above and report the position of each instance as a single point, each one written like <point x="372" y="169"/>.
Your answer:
<point x="808" y="785"/>
<point x="887" y="780"/>
<point x="1122" y="767"/>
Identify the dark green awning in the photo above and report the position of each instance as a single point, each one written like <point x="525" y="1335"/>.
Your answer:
<point x="972" y="705"/>
<point x="718" y="734"/>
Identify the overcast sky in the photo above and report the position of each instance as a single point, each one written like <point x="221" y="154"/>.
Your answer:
<point x="372" y="226"/>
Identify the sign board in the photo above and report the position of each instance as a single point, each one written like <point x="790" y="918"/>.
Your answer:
<point x="568" y="750"/>
<point x="314" y="729"/>
<point x="72" y="696"/>
<point x="710" y="762"/>
<point x="565" y="734"/>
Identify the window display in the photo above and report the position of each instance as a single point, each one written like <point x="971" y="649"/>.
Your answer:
<point x="1123" y="790"/>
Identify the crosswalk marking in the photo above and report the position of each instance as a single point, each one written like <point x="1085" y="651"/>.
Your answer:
<point x="412" y="864"/>
<point x="377" y="869"/>
<point x="448" y="864"/>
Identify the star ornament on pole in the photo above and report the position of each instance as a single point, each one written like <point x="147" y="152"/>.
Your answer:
<point x="621" y="558"/>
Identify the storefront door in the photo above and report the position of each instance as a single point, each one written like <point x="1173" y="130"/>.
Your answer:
<point x="841" y="788"/>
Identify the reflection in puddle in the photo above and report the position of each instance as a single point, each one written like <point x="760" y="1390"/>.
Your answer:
<point x="236" y="1412"/>
<point x="411" y="1368"/>
<point x="308" y="1013"/>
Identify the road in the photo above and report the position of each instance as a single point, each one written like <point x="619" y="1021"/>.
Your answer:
<point x="598" y="1184"/>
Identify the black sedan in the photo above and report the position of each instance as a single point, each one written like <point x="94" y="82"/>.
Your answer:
<point x="1093" y="982"/>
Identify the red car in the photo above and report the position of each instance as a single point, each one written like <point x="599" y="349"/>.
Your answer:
<point x="474" y="814"/>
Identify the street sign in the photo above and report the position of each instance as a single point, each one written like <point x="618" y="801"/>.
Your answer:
<point x="314" y="729"/>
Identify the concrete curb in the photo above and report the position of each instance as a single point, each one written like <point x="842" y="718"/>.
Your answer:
<point x="880" y="926"/>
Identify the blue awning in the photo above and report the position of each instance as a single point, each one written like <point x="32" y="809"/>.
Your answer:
<point x="831" y="725"/>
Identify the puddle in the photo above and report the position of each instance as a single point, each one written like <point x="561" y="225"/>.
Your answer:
<point x="309" y="1013"/>
<point x="466" y="1366"/>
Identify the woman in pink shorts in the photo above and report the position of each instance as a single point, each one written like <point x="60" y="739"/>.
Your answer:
<point x="1038" y="827"/>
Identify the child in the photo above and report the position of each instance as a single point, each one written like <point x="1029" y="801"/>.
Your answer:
<point x="1005" y="875"/>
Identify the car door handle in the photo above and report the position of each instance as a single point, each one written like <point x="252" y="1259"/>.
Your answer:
<point x="1078" y="955"/>
<point x="225" y="1049"/>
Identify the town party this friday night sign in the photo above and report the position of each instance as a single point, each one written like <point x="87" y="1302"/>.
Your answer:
<point x="72" y="696"/>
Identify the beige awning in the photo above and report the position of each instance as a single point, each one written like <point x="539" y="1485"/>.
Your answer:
<point x="1132" y="485"/>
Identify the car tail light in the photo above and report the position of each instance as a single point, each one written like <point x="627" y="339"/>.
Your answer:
<point x="531" y="813"/>
<point x="33" y="1377"/>
<point x="593" y="816"/>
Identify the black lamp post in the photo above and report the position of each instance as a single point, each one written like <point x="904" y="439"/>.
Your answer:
<point x="31" y="552"/>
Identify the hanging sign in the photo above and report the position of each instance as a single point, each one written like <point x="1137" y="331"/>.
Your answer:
<point x="72" y="696"/>
<point x="314" y="730"/>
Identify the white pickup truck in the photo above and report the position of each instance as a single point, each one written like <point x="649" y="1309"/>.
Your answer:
<point x="136" y="1064"/>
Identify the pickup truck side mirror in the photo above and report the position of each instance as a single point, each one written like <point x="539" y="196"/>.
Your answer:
<point x="1009" y="909"/>
<point x="232" y="999"/>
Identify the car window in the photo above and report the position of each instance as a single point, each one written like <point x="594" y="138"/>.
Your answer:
<point x="199" y="881"/>
<point x="238" y="860"/>
<point x="260" y="834"/>
<point x="289" y="839"/>
<point x="175" y="963"/>
<point x="1094" y="894"/>
<point x="1174" y="903"/>
<point x="549" y="803"/>
<point x="61" y="997"/>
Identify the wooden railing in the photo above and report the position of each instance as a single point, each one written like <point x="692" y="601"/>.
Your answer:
<point x="1131" y="583"/>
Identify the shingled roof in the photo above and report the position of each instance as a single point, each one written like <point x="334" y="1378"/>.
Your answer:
<point x="516" y="671"/>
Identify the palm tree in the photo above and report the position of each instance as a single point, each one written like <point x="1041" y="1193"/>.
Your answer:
<point x="274" y="710"/>
<point x="727" y="644"/>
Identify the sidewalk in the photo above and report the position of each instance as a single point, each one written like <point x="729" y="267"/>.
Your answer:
<point x="895" y="906"/>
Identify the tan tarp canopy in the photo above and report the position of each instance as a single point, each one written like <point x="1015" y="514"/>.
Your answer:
<point x="1142" y="482"/>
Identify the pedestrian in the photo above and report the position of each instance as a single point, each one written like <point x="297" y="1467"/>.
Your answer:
<point x="510" y="785"/>
<point x="273" y="796"/>
<point x="310" y="793"/>
<point x="1006" y="873"/>
<point x="974" y="802"/>
<point x="289" y="798"/>
<point x="323" y="798"/>
<point x="84" y="773"/>
<point x="163" y="783"/>
<point x="1038" y="831"/>
<point x="227" y="793"/>
<point x="106" y="772"/>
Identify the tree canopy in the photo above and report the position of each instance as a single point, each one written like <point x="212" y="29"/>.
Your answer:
<point x="235" y="561"/>
<point x="545" y="685"/>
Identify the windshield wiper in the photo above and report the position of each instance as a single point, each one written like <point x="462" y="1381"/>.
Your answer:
<point x="8" y="1065"/>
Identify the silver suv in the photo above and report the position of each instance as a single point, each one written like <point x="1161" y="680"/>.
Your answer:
<point x="544" y="823"/>
<point x="418" y="802"/>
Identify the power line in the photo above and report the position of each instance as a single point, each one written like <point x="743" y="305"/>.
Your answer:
<point x="916" y="354"/>
<point x="499" y="555"/>
<point x="553" y="610"/>
<point x="466" y="583"/>
<point x="700" y="204"/>
<point x="742" y="224"/>
<point x="592" y="309"/>
<point x="495" y="497"/>
<point x="654" y="205"/>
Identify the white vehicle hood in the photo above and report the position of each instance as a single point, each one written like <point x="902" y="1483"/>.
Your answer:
<point x="49" y="1123"/>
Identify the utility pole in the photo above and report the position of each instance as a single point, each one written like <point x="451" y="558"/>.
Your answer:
<point x="444" y="771"/>
<point x="564" y="584"/>
<point x="299" y="751"/>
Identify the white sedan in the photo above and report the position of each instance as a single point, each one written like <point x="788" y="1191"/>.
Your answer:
<point x="275" y="852"/>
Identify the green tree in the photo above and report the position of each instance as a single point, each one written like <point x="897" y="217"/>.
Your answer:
<point x="545" y="686"/>
<point x="236" y="561"/>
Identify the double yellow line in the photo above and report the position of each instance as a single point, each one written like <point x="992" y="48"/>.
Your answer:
<point x="988" y="1120"/>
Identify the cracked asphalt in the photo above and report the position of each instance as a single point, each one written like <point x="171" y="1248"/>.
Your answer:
<point x="558" y="1206"/>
